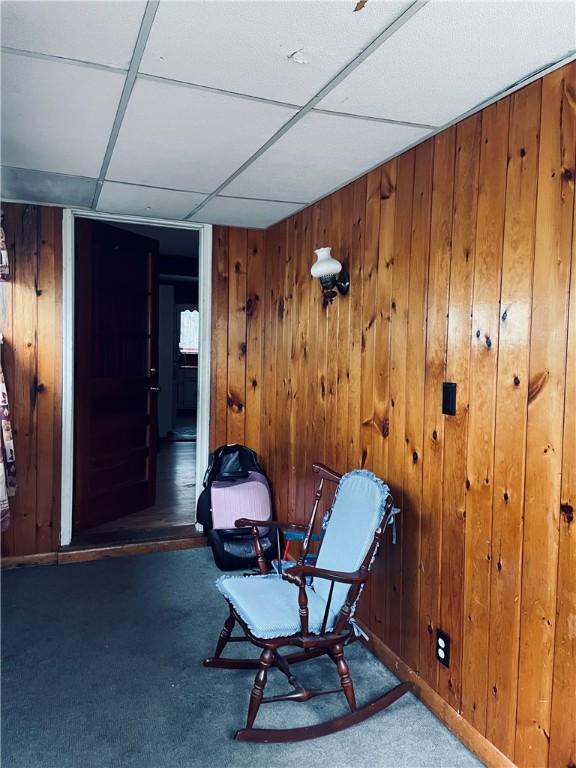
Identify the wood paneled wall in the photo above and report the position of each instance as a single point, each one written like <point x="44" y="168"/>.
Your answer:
<point x="238" y="291"/>
<point x="460" y="253"/>
<point x="30" y="319"/>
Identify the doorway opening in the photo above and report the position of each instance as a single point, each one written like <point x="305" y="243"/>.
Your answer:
<point x="136" y="353"/>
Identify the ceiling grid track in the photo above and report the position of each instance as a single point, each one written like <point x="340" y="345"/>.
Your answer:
<point x="61" y="59"/>
<point x="139" y="47"/>
<point x="199" y="87"/>
<point x="399" y="22"/>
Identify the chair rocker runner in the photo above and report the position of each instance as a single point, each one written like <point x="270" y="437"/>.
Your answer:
<point x="310" y="607"/>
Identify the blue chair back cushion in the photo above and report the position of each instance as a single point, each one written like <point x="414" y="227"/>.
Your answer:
<point x="357" y="513"/>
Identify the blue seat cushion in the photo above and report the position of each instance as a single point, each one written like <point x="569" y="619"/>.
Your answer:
<point x="268" y="605"/>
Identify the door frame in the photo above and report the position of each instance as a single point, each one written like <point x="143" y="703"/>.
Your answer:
<point x="68" y="389"/>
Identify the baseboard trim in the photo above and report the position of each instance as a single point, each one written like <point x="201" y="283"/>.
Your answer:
<point x="122" y="550"/>
<point x="83" y="554"/>
<point x="486" y="751"/>
<point x="18" y="561"/>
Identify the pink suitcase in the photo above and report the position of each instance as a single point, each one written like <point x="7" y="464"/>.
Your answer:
<point x="249" y="497"/>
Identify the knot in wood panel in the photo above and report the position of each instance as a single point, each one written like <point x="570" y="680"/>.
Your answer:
<point x="234" y="403"/>
<point x="536" y="385"/>
<point x="252" y="305"/>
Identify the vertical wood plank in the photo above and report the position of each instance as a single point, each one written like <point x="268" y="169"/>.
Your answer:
<point x="563" y="718"/>
<point x="303" y="453"/>
<point x="367" y="357"/>
<point x="455" y="427"/>
<point x="49" y="372"/>
<point x="415" y="376"/>
<point x="400" y="274"/>
<point x="267" y="363"/>
<point x="283" y="363"/>
<point x="25" y="393"/>
<point x="219" y="348"/>
<point x="321" y="237"/>
<point x="255" y="287"/>
<point x="236" y="398"/>
<point x="510" y="424"/>
<point x="545" y="413"/>
<point x="438" y="291"/>
<point x="481" y="413"/>
<point x="275" y="248"/>
<point x="290" y="352"/>
<point x="369" y="314"/>
<point x="282" y="405"/>
<point x="381" y="396"/>
<point x="312" y="352"/>
<point x="343" y="202"/>
<point x="355" y="298"/>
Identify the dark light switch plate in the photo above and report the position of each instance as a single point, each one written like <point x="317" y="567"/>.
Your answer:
<point x="449" y="398"/>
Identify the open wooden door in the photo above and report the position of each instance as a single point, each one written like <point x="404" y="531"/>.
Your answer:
<point x="116" y="379"/>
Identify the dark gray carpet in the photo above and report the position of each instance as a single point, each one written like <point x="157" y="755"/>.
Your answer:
<point x="101" y="669"/>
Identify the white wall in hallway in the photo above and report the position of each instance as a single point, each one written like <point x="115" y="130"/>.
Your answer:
<point x="166" y="359"/>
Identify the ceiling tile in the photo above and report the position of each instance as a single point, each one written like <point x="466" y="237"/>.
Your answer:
<point x="245" y="47"/>
<point x="185" y="138"/>
<point x="56" y="116"/>
<point x="43" y="187"/>
<point x="147" y="201"/>
<point x="102" y="32"/>
<point x="238" y="212"/>
<point x="320" y="153"/>
<point x="451" y="56"/>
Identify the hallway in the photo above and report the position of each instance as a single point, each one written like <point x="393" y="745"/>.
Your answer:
<point x="172" y="516"/>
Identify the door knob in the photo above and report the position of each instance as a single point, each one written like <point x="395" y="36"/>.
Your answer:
<point x="153" y="389"/>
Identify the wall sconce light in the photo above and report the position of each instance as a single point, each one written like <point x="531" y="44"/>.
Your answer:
<point x="331" y="275"/>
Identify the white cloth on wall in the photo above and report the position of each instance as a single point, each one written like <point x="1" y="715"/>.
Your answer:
<point x="7" y="456"/>
<point x="4" y="264"/>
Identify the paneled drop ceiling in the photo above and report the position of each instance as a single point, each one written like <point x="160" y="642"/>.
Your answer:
<point x="243" y="111"/>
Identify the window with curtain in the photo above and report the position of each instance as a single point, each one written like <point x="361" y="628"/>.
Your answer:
<point x="189" y="331"/>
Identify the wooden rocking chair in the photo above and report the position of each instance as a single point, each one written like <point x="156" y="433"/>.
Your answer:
<point x="310" y="607"/>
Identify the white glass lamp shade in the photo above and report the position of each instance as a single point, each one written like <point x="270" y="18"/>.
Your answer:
<point x="325" y="265"/>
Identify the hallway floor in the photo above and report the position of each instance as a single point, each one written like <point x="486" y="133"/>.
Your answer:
<point x="172" y="516"/>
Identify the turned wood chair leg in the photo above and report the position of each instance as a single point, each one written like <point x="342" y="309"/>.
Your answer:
<point x="337" y="655"/>
<point x="224" y="635"/>
<point x="266" y="661"/>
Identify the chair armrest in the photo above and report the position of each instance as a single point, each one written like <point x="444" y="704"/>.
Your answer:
<point x="297" y="576"/>
<point x="326" y="472"/>
<point x="255" y="525"/>
<point x="299" y="573"/>
<point x="245" y="522"/>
